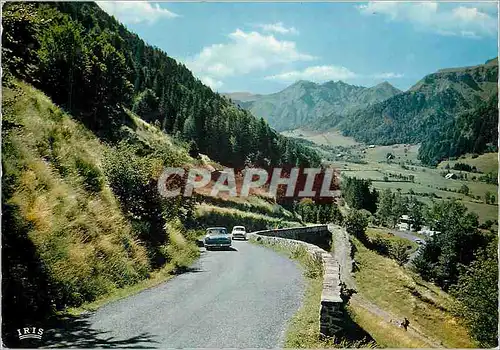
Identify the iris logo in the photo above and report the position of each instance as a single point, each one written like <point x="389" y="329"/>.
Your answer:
<point x="30" y="333"/>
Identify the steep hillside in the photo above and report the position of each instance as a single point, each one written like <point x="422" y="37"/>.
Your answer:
<point x="429" y="107"/>
<point x="81" y="214"/>
<point x="65" y="236"/>
<point x="474" y="131"/>
<point x="81" y="218"/>
<point x="305" y="102"/>
<point x="91" y="65"/>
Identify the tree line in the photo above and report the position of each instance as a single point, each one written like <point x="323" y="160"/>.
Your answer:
<point x="461" y="257"/>
<point x="93" y="67"/>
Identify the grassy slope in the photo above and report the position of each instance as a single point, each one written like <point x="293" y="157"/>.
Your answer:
<point x="427" y="180"/>
<point x="402" y="293"/>
<point x="80" y="234"/>
<point x="80" y="231"/>
<point x="485" y="162"/>
<point x="374" y="232"/>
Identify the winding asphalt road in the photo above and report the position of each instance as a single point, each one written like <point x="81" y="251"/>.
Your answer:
<point x="411" y="237"/>
<point x="240" y="298"/>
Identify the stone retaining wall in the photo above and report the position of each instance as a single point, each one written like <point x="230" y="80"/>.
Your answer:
<point x="343" y="254"/>
<point x="331" y="308"/>
<point x="318" y="235"/>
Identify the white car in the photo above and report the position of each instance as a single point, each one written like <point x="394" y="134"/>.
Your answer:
<point x="239" y="232"/>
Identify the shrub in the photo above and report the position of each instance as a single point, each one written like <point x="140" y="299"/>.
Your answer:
<point x="399" y="252"/>
<point x="356" y="224"/>
<point x="92" y="177"/>
<point x="180" y="251"/>
<point x="381" y="245"/>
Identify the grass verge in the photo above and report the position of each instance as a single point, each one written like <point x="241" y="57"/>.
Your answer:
<point x="303" y="329"/>
<point x="157" y="277"/>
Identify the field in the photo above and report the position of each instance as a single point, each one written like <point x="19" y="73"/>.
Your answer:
<point x="484" y="163"/>
<point x="328" y="138"/>
<point x="388" y="292"/>
<point x="405" y="172"/>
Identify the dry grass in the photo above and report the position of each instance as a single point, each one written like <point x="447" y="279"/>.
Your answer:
<point x="384" y="333"/>
<point x="79" y="231"/>
<point x="402" y="293"/>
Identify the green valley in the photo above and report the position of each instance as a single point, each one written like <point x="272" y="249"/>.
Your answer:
<point x="94" y="116"/>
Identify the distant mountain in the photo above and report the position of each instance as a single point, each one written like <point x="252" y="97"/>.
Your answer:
<point x="304" y="103"/>
<point x="436" y="99"/>
<point x="239" y="97"/>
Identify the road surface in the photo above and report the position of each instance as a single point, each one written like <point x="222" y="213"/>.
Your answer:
<point x="240" y="298"/>
<point x="409" y="236"/>
<point x="406" y="234"/>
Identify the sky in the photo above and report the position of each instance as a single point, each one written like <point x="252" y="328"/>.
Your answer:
<point x="264" y="47"/>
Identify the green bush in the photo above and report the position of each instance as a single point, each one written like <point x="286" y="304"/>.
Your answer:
<point x="399" y="252"/>
<point x="230" y="219"/>
<point x="381" y="245"/>
<point x="356" y="224"/>
<point x="92" y="177"/>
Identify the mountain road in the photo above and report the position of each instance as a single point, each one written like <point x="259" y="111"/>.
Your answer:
<point x="239" y="298"/>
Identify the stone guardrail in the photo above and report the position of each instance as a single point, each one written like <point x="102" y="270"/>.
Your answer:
<point x="317" y="235"/>
<point x="343" y="254"/>
<point x="331" y="310"/>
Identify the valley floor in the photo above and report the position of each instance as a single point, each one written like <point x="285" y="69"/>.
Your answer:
<point x="405" y="172"/>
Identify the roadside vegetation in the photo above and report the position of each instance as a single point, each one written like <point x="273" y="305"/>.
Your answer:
<point x="402" y="293"/>
<point x="86" y="223"/>
<point x="86" y="133"/>
<point x="74" y="235"/>
<point x="303" y="329"/>
<point x="208" y="215"/>
<point x="439" y="291"/>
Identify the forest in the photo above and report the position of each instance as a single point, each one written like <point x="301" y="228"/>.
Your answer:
<point x="93" y="67"/>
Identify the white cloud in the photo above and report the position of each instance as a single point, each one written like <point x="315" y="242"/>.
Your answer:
<point x="389" y="75"/>
<point x="278" y="27"/>
<point x="463" y="20"/>
<point x="211" y="82"/>
<point x="245" y="52"/>
<point x="326" y="73"/>
<point x="136" y="11"/>
<point x="315" y="73"/>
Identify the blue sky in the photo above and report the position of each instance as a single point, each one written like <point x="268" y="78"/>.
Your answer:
<point x="264" y="47"/>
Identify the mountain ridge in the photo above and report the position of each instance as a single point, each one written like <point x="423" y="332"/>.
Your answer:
<point x="440" y="111"/>
<point x="304" y="102"/>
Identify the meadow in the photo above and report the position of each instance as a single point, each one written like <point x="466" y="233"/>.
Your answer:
<point x="405" y="172"/>
<point x="387" y="291"/>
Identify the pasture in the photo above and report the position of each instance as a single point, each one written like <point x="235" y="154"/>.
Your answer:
<point x="484" y="163"/>
<point x="405" y="172"/>
<point x="328" y="138"/>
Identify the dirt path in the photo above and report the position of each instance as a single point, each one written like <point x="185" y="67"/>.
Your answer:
<point x="358" y="300"/>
